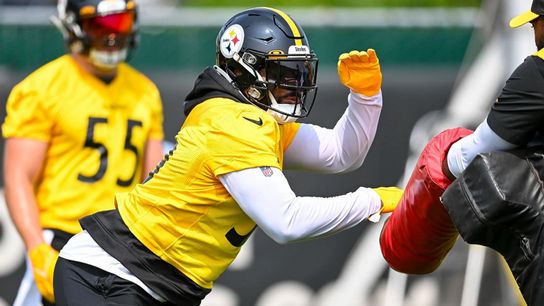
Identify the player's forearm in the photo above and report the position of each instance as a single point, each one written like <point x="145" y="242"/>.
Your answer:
<point x="342" y="148"/>
<point x="23" y="210"/>
<point x="23" y="160"/>
<point x="152" y="156"/>
<point x="483" y="140"/>
<point x="307" y="218"/>
<point x="271" y="203"/>
<point x="356" y="129"/>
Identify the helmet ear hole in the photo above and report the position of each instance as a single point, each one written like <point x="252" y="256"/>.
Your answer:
<point x="254" y="93"/>
<point x="77" y="46"/>
<point x="249" y="58"/>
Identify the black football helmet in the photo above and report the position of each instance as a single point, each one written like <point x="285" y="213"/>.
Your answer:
<point x="104" y="30"/>
<point x="266" y="55"/>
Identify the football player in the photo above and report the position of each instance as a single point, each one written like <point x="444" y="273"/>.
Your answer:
<point x="171" y="237"/>
<point x="455" y="188"/>
<point x="79" y="129"/>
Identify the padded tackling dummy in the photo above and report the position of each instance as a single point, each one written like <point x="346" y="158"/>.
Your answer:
<point x="419" y="233"/>
<point x="498" y="202"/>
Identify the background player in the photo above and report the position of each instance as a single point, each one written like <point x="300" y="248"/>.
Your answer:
<point x="78" y="130"/>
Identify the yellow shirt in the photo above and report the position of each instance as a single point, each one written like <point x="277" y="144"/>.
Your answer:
<point x="183" y="213"/>
<point x="96" y="135"/>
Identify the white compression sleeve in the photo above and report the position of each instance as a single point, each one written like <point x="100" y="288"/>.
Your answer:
<point x="342" y="148"/>
<point x="283" y="216"/>
<point x="482" y="140"/>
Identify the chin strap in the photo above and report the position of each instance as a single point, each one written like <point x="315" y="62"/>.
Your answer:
<point x="285" y="108"/>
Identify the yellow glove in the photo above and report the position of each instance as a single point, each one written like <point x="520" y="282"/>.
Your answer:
<point x="44" y="258"/>
<point x="360" y="71"/>
<point x="390" y="198"/>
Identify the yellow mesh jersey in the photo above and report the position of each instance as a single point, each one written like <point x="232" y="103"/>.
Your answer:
<point x="183" y="213"/>
<point x="96" y="135"/>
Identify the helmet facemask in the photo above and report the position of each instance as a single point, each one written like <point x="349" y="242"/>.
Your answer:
<point x="103" y="31"/>
<point x="291" y="84"/>
<point x="109" y="37"/>
<point x="283" y="85"/>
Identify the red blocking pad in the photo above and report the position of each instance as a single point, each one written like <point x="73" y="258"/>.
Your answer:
<point x="419" y="233"/>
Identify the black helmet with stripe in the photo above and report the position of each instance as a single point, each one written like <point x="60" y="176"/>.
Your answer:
<point x="267" y="56"/>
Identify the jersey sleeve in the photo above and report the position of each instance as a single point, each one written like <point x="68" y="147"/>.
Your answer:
<point x="239" y="144"/>
<point x="288" y="132"/>
<point x="27" y="116"/>
<point x="517" y="113"/>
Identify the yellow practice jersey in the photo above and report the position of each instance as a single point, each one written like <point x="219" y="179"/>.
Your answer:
<point x="183" y="213"/>
<point x="96" y="135"/>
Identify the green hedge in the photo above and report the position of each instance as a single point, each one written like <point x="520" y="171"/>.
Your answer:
<point x="175" y="48"/>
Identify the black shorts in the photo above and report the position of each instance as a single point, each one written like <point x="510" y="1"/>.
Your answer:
<point x="80" y="284"/>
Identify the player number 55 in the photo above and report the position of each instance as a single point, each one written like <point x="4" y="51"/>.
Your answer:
<point x="91" y="143"/>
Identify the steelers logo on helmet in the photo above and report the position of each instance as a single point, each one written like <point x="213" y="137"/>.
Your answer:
<point x="232" y="40"/>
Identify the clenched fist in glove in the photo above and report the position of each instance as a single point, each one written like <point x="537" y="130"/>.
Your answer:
<point x="360" y="71"/>
<point x="44" y="258"/>
<point x="390" y="197"/>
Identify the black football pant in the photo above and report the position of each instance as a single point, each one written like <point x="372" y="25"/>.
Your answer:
<point x="78" y="284"/>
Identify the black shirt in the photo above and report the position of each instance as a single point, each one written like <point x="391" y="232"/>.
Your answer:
<point x="518" y="114"/>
